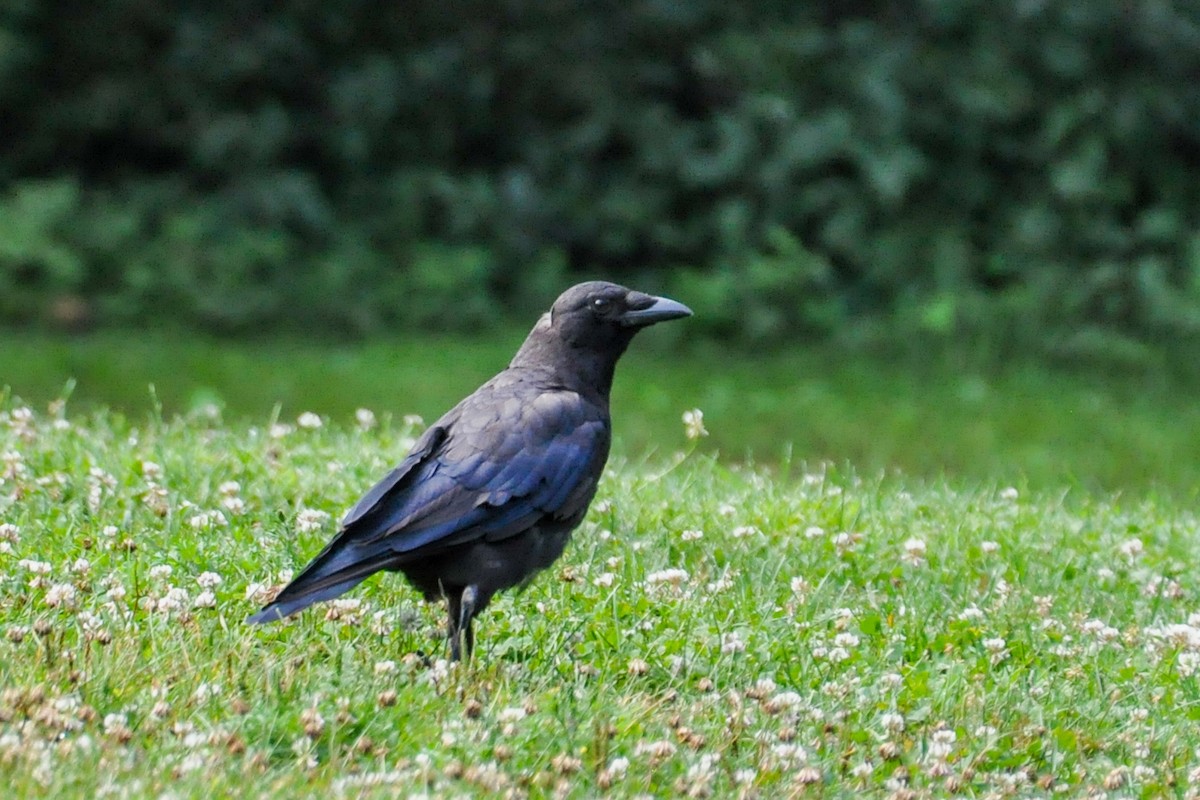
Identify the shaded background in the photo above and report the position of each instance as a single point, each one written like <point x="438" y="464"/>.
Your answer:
<point x="1024" y="171"/>
<point x="951" y="238"/>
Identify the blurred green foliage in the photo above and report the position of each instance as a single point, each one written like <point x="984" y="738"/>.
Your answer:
<point x="934" y="167"/>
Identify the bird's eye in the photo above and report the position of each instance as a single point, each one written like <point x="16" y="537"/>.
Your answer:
<point x="600" y="303"/>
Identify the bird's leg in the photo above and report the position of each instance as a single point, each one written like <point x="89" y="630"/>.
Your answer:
<point x="466" y="616"/>
<point x="454" y="607"/>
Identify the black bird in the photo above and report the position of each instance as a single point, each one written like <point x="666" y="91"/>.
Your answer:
<point x="490" y="493"/>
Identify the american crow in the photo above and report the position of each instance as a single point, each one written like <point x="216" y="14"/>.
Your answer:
<point x="490" y="493"/>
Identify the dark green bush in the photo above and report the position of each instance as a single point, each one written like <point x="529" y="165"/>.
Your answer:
<point x="948" y="167"/>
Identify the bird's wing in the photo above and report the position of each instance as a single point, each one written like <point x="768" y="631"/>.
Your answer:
<point x="504" y="463"/>
<point x="429" y="441"/>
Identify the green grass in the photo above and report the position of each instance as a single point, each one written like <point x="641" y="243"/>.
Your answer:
<point x="714" y="630"/>
<point x="1022" y="424"/>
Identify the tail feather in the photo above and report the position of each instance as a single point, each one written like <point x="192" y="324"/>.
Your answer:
<point x="335" y="571"/>
<point x="284" y="607"/>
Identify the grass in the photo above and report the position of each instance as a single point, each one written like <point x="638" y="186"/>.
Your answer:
<point x="714" y="630"/>
<point x="1019" y="423"/>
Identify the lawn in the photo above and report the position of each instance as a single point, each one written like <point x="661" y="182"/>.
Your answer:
<point x="717" y="628"/>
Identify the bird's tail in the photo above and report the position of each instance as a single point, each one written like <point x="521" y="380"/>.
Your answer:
<point x="335" y="571"/>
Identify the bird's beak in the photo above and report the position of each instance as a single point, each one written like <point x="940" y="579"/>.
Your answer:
<point x="646" y="310"/>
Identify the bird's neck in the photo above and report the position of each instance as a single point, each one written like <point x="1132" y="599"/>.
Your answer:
<point x="585" y="370"/>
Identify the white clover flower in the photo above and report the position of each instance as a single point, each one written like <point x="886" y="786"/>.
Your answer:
<point x="385" y="667"/>
<point x="81" y="566"/>
<point x="942" y="744"/>
<point x="989" y="547"/>
<point x="674" y="577"/>
<point x="800" y="586"/>
<point x="784" y="701"/>
<point x="10" y="533"/>
<point x="691" y="535"/>
<point x="511" y="714"/>
<point x="346" y="610"/>
<point x="814" y="532"/>
<point x="658" y="750"/>
<point x="90" y="622"/>
<point x="36" y="567"/>
<point x="1177" y="635"/>
<point x="116" y="592"/>
<point x="1187" y="663"/>
<point x="234" y="505"/>
<point x="176" y="599"/>
<point x="309" y="420"/>
<point x="743" y="531"/>
<point x="892" y="722"/>
<point x="721" y="584"/>
<point x="365" y="418"/>
<point x="14" y="465"/>
<point x="229" y="488"/>
<point x="790" y="754"/>
<point x="1162" y="586"/>
<point x="208" y="519"/>
<point x="151" y="470"/>
<point x="208" y="580"/>
<point x="1009" y="493"/>
<point x="726" y="510"/>
<point x="618" y="767"/>
<point x="310" y="519"/>
<point x="604" y="580"/>
<point x="1131" y="548"/>
<point x="1100" y="630"/>
<point x="206" y="691"/>
<point x="693" y="424"/>
<point x="914" y="552"/>
<point x="161" y="571"/>
<point x="732" y="642"/>
<point x="847" y="640"/>
<point x="206" y="599"/>
<point x="61" y="594"/>
<point x="971" y="613"/>
<point x="257" y="591"/>
<point x="114" y="721"/>
<point x="744" y="777"/>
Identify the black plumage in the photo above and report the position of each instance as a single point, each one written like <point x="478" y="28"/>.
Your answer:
<point x="490" y="493"/>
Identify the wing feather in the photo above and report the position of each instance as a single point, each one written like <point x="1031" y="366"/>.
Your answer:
<point x="485" y="481"/>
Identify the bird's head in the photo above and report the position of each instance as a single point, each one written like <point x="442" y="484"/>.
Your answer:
<point x="598" y="313"/>
<point x="594" y="322"/>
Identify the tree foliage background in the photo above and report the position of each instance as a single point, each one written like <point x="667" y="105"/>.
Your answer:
<point x="1027" y="169"/>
